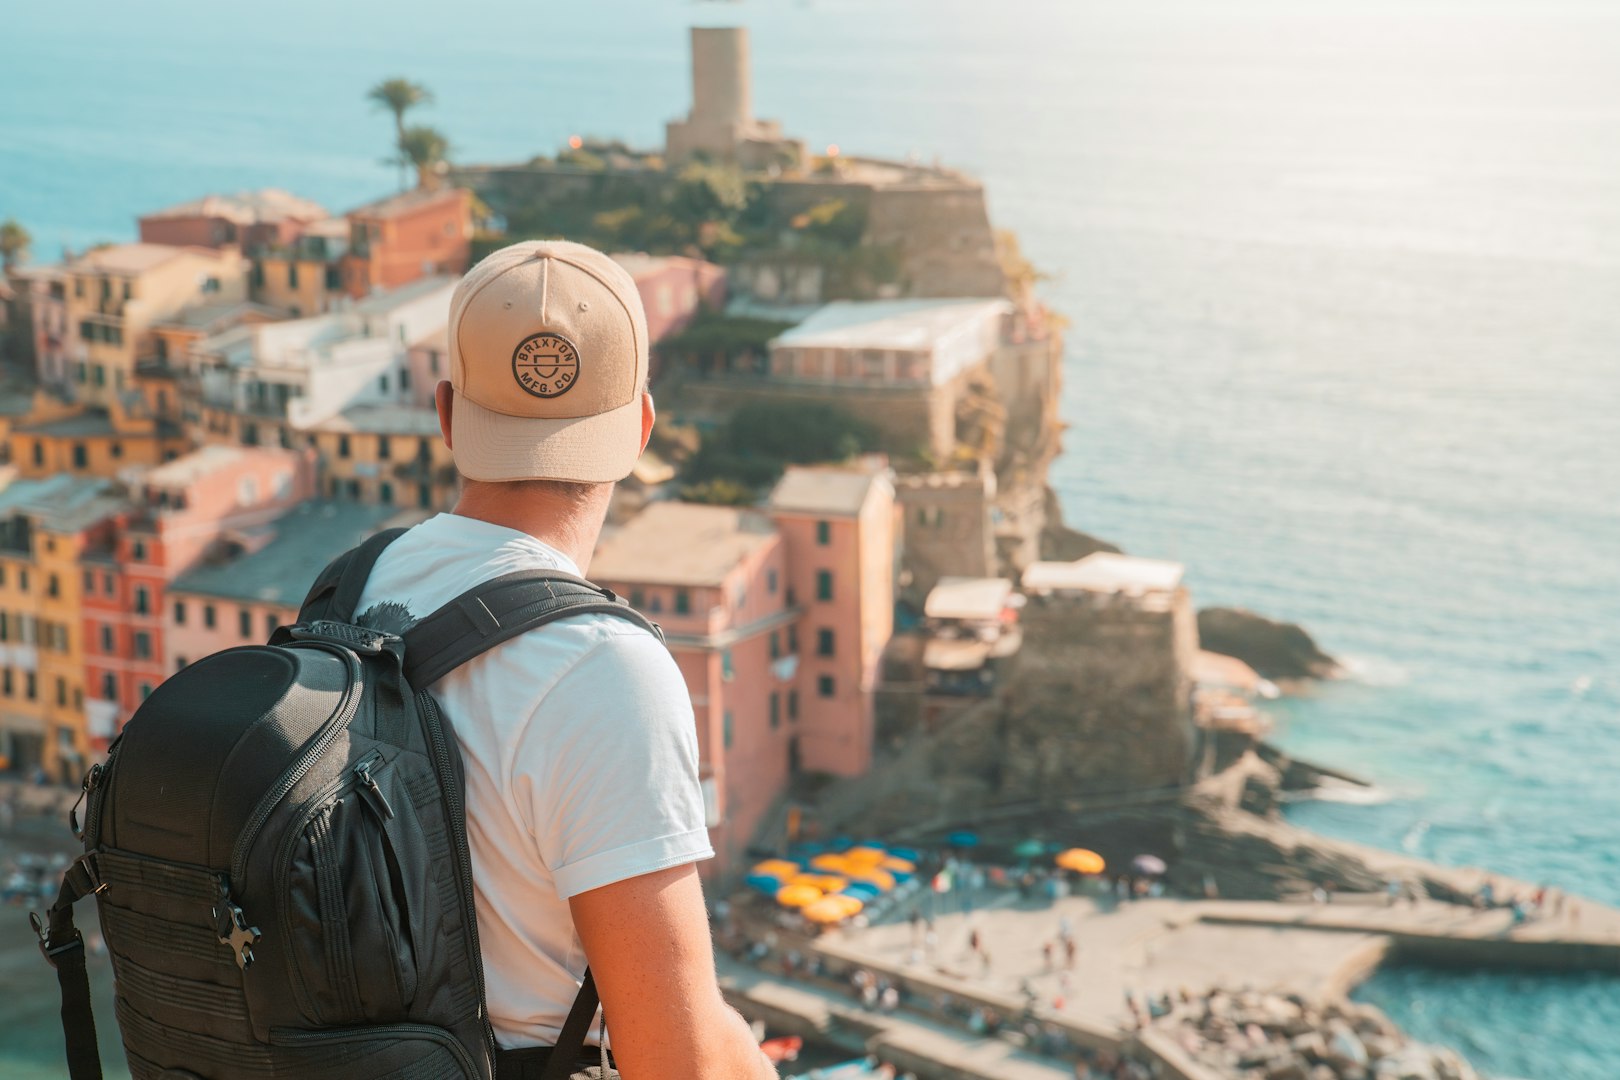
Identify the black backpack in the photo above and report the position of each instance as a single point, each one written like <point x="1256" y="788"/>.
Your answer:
<point x="278" y="852"/>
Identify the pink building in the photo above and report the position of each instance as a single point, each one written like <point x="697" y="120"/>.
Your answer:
<point x="840" y="529"/>
<point x="674" y="289"/>
<point x="184" y="507"/>
<point x="254" y="579"/>
<point x="715" y="578"/>
<point x="249" y="220"/>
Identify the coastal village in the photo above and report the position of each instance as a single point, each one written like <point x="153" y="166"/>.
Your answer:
<point x="990" y="797"/>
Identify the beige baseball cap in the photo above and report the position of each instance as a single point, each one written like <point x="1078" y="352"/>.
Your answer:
<point x="548" y="359"/>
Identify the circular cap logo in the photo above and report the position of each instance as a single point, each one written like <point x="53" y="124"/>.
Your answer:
<point x="546" y="365"/>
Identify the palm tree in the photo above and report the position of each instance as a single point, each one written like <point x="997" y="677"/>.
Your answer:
<point x="14" y="243"/>
<point x="399" y="96"/>
<point x="425" y="148"/>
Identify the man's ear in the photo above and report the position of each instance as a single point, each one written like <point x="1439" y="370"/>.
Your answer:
<point x="648" y="415"/>
<point x="444" y="400"/>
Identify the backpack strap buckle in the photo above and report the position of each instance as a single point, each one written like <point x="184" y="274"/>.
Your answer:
<point x="46" y="949"/>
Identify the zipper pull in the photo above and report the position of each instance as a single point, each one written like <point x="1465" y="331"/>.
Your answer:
<point x="91" y="779"/>
<point x="371" y="794"/>
<point x="231" y="925"/>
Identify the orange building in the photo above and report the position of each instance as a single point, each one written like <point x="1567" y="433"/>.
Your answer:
<point x="715" y="578"/>
<point x="840" y="529"/>
<point x="61" y="437"/>
<point x="405" y="237"/>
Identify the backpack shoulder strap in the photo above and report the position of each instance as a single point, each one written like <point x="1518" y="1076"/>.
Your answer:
<point x="63" y="947"/>
<point x="337" y="589"/>
<point x="499" y="610"/>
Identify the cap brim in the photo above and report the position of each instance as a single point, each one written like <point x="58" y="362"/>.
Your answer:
<point x="589" y="449"/>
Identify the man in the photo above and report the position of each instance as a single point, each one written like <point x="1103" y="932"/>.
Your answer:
<point x="584" y="812"/>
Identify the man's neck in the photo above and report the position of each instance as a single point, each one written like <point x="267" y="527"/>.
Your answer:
<point x="572" y="526"/>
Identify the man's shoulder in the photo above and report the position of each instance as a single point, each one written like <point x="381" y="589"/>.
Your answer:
<point x="610" y="653"/>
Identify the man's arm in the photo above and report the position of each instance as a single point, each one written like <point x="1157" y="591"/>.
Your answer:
<point x="647" y="941"/>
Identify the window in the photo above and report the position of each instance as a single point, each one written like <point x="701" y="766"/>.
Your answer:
<point x="271" y="623"/>
<point x="22" y="580"/>
<point x="5" y="683"/>
<point x="385" y="493"/>
<point x="776" y="710"/>
<point x="31" y="686"/>
<point x="146" y="690"/>
<point x="728" y="671"/>
<point x="143" y="600"/>
<point x="179" y="663"/>
<point x="826" y="687"/>
<point x="53" y="586"/>
<point x="404" y="379"/>
<point x="109" y="686"/>
<point x="179" y="613"/>
<point x="793" y="637"/>
<point x="655" y="604"/>
<point x="108" y="644"/>
<point x="823" y="533"/>
<point x="208" y="616"/>
<point x="292" y="274"/>
<point x="89" y="582"/>
<point x="61" y="692"/>
<point x="793" y="706"/>
<point x="137" y="550"/>
<point x="98" y="374"/>
<point x="727" y="729"/>
<point x="81" y="458"/>
<point x="258" y="274"/>
<point x="770" y="581"/>
<point x="343" y="446"/>
<point x="383" y="447"/>
<point x="107" y="586"/>
<point x="638" y="599"/>
<point x="39" y="452"/>
<point x="143" y="645"/>
<point x="683" y="602"/>
<point x="824" y="642"/>
<point x="776" y="644"/>
<point x="382" y="382"/>
<point x="244" y="622"/>
<point x="824" y="585"/>
<point x="117" y="450"/>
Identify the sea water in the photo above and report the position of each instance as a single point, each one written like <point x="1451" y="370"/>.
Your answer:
<point x="1344" y="289"/>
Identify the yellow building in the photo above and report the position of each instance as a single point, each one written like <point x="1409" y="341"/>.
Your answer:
<point x="46" y="526"/>
<point x="58" y="438"/>
<point x="115" y="295"/>
<point x="305" y="277"/>
<point x="391" y="455"/>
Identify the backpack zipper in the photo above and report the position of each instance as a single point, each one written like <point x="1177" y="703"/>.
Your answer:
<point x="458" y="833"/>
<point x="272" y="798"/>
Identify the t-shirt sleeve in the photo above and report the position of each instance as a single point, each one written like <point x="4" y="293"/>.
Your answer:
<point x="611" y="760"/>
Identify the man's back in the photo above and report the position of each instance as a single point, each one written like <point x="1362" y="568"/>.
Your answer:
<point x="581" y="764"/>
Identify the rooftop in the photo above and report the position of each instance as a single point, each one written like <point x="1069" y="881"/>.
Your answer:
<point x="823" y="489"/>
<point x="208" y="460"/>
<point x="403" y="203"/>
<point x="307" y="537"/>
<point x="384" y="420"/>
<point x="87" y="424"/>
<point x="975" y="599"/>
<point x="63" y="503"/>
<point x="212" y="318"/>
<point x="386" y="300"/>
<point x="677" y="543"/>
<point x="908" y="325"/>
<point x="130" y="258"/>
<point x="245" y="208"/>
<point x="1105" y="572"/>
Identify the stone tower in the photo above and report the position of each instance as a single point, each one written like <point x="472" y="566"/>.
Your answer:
<point x="721" y="124"/>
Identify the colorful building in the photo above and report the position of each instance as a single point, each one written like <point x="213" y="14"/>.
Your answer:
<point x="114" y="296"/>
<point x="839" y="526"/>
<point x="48" y="527"/>
<point x="406" y="237"/>
<point x="674" y="289"/>
<point x="36" y="316"/>
<point x="63" y="437"/>
<point x="255" y="582"/>
<point x="247" y="221"/>
<point x="304" y="276"/>
<point x="392" y="455"/>
<point x="182" y="512"/>
<point x="716" y="579"/>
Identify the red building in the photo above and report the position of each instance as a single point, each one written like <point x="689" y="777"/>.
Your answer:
<point x="406" y="237"/>
<point x="249" y="220"/>
<point x="674" y="289"/>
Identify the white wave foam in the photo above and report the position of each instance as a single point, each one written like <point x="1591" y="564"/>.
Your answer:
<point x="1374" y="671"/>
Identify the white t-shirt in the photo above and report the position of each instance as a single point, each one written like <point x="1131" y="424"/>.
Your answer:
<point x="581" y="760"/>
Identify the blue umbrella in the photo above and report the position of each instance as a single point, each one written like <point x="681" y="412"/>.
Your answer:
<point x="863" y="892"/>
<point x="908" y="854"/>
<point x="963" y="839"/>
<point x="764" y="883"/>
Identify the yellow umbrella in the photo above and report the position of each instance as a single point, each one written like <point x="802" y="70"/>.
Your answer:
<point x="830" y="862"/>
<point x="866" y="856"/>
<point x="881" y="878"/>
<point x="776" y="868"/>
<point x="1081" y="861"/>
<point x="797" y="895"/>
<point x="823" y="882"/>
<point x="904" y="866"/>
<point x="831" y="909"/>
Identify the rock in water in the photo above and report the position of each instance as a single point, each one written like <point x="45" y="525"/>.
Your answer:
<point x="1276" y="650"/>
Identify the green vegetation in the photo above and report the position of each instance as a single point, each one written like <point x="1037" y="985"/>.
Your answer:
<point x="399" y="96"/>
<point x="14" y="243"/>
<point x="426" y="149"/>
<point x="757" y="442"/>
<point x="714" y="342"/>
